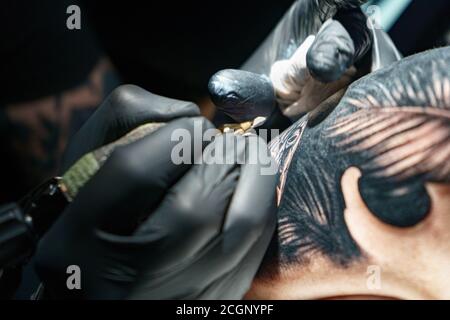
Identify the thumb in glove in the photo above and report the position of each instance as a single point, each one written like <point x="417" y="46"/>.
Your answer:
<point x="338" y="44"/>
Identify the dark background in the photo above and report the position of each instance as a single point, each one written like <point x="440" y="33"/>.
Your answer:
<point x="168" y="47"/>
<point x="174" y="47"/>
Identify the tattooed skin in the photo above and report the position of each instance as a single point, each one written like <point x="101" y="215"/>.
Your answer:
<point x="38" y="130"/>
<point x="394" y="126"/>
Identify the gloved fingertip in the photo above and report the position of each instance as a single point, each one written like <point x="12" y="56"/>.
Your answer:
<point x="357" y="25"/>
<point x="242" y="95"/>
<point x="331" y="54"/>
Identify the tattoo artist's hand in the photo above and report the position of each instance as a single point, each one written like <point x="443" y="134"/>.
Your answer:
<point x="146" y="228"/>
<point x="125" y="109"/>
<point x="316" y="50"/>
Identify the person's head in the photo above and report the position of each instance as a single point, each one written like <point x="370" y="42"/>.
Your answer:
<point x="365" y="194"/>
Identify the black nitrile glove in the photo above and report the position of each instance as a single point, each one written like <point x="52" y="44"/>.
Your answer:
<point x="316" y="50"/>
<point x="144" y="227"/>
<point x="125" y="109"/>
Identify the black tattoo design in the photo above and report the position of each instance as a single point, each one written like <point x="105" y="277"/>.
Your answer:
<point x="394" y="125"/>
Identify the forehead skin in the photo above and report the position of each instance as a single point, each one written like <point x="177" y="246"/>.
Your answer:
<point x="393" y="127"/>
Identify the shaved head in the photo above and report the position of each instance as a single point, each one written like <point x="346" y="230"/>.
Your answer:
<point x="393" y="127"/>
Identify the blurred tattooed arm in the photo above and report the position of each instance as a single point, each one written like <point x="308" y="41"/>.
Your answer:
<point x="36" y="132"/>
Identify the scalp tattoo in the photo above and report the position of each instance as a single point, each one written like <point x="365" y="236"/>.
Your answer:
<point x="394" y="125"/>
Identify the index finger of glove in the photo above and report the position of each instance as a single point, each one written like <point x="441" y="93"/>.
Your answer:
<point x="126" y="108"/>
<point x="133" y="181"/>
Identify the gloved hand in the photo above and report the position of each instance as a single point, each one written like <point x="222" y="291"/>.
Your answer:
<point x="125" y="109"/>
<point x="317" y="49"/>
<point x="146" y="228"/>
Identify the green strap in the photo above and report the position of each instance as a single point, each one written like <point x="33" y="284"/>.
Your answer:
<point x="87" y="166"/>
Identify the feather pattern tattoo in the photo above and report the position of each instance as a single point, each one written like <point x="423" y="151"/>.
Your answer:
<point x="401" y="142"/>
<point x="394" y="125"/>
